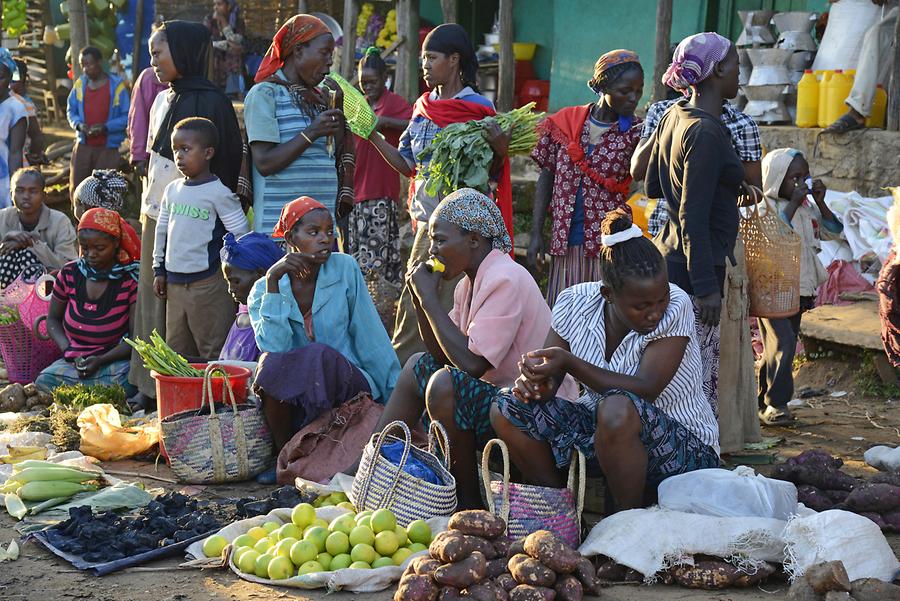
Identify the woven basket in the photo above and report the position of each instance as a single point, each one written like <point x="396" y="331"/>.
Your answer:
<point x="217" y="447"/>
<point x="380" y="483"/>
<point x="772" y="249"/>
<point x="527" y="508"/>
<point x="25" y="346"/>
<point x="360" y="116"/>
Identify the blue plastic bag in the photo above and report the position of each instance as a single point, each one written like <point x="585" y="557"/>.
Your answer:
<point x="393" y="452"/>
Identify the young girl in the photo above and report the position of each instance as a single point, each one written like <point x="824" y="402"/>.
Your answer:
<point x="92" y="309"/>
<point x="630" y="341"/>
<point x="787" y="185"/>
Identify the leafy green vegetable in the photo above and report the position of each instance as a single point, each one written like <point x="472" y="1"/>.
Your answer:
<point x="159" y="357"/>
<point x="8" y="315"/>
<point x="460" y="156"/>
<point x="79" y="396"/>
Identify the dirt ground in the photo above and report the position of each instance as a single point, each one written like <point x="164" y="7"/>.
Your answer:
<point x="844" y="425"/>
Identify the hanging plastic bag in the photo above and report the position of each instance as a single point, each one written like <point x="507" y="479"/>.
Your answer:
<point x="104" y="437"/>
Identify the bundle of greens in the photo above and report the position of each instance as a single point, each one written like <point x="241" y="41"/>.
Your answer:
<point x="80" y="396"/>
<point x="8" y="315"/>
<point x="159" y="357"/>
<point x="460" y="156"/>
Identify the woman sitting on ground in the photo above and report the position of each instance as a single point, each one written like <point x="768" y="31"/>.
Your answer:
<point x="92" y="308"/>
<point x="498" y="314"/>
<point x="33" y="237"/>
<point x="105" y="188"/>
<point x="630" y="341"/>
<point x="315" y="321"/>
<point x="888" y="287"/>
<point x="245" y="259"/>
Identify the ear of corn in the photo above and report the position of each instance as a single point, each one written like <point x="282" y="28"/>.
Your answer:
<point x="435" y="265"/>
<point x="43" y="491"/>
<point x="14" y="506"/>
<point x="38" y="463"/>
<point x="47" y="474"/>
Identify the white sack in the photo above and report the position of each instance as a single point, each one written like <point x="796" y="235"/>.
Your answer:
<point x="886" y="459"/>
<point x="848" y="21"/>
<point x="726" y="493"/>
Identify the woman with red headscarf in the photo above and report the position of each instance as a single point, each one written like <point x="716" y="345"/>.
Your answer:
<point x="314" y="319"/>
<point x="299" y="145"/>
<point x="92" y="308"/>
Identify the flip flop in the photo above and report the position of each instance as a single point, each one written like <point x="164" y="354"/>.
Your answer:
<point x="845" y="123"/>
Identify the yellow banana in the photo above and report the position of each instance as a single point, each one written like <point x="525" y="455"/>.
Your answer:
<point x="19" y="451"/>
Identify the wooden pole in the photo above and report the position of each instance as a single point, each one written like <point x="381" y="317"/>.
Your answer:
<point x="507" y="76"/>
<point x="138" y="35"/>
<point x="448" y="8"/>
<point x="78" y="33"/>
<point x="893" y="108"/>
<point x="663" y="41"/>
<point x="407" y="84"/>
<point x="49" y="60"/>
<point x="348" y="48"/>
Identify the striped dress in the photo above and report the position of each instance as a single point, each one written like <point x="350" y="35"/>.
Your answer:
<point x="271" y="116"/>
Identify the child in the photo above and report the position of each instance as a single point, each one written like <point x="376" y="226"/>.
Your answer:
<point x="195" y="214"/>
<point x="786" y="184"/>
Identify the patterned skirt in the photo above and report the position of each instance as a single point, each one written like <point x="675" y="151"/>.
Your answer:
<point x="19" y="262"/>
<point x="708" y="338"/>
<point x="570" y="269"/>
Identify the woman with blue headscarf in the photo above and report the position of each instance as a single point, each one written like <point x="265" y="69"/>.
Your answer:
<point x="244" y="260"/>
<point x="227" y="29"/>
<point x="13" y="124"/>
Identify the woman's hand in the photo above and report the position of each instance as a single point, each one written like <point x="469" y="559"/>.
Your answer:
<point x="298" y="264"/>
<point x="327" y="123"/>
<point x="423" y="281"/>
<point x="710" y="307"/>
<point x="496" y="137"/>
<point x="16" y="241"/>
<point x="87" y="366"/>
<point x="535" y="255"/>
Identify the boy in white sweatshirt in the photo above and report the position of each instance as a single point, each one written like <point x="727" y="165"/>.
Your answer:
<point x="195" y="213"/>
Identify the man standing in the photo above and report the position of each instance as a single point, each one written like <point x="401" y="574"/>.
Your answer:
<point x="98" y="111"/>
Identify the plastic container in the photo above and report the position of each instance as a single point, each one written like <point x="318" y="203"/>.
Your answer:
<point x="879" y="108"/>
<point x="838" y="89"/>
<point x="523" y="51"/>
<point x="824" y="78"/>
<point x="807" y="100"/>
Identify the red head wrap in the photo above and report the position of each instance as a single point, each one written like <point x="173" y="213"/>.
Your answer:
<point x="293" y="212"/>
<point x="110" y="222"/>
<point x="299" y="29"/>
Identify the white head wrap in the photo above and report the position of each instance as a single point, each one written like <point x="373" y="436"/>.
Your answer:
<point x="613" y="239"/>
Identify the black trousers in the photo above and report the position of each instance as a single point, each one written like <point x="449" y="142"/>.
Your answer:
<point x="779" y="339"/>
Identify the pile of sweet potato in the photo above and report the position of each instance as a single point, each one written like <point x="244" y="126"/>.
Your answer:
<point x="821" y="485"/>
<point x="475" y="560"/>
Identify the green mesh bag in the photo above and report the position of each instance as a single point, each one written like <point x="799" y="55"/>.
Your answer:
<point x="360" y="116"/>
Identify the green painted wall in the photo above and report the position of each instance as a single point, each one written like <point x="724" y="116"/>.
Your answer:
<point x="533" y="22"/>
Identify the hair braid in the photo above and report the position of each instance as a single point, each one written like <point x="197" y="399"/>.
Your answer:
<point x="635" y="258"/>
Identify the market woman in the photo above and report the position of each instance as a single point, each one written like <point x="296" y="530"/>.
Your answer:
<point x="694" y="167"/>
<point x="498" y="314"/>
<point x="584" y="154"/>
<point x="449" y="64"/>
<point x="93" y="303"/>
<point x="300" y="146"/>
<point x="629" y="340"/>
<point x="33" y="237"/>
<point x="179" y="55"/>
<point x="226" y="26"/>
<point x="315" y="322"/>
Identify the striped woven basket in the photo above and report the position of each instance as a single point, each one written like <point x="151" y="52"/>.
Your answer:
<point x="217" y="447"/>
<point x="380" y="483"/>
<point x="526" y="508"/>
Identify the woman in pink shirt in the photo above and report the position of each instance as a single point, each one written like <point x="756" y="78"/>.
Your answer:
<point x="498" y="315"/>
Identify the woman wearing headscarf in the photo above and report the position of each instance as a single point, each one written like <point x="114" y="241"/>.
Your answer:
<point x="179" y="55"/>
<point x="694" y="167"/>
<point x="105" y="188"/>
<point x="299" y="144"/>
<point x="584" y="153"/>
<point x="315" y="321"/>
<point x="245" y="259"/>
<point x="473" y="351"/>
<point x="93" y="303"/>
<point x="449" y="64"/>
<point x="227" y="28"/>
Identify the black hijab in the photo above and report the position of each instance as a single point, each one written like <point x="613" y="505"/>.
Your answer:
<point x="449" y="38"/>
<point x="193" y="95"/>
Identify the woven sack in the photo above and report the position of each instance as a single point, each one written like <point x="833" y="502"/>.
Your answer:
<point x="217" y="447"/>
<point x="527" y="508"/>
<point x="772" y="250"/>
<point x="360" y="116"/>
<point x="380" y="483"/>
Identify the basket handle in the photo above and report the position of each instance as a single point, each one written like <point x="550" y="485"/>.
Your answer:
<point x="486" y="478"/>
<point x="215" y="430"/>
<point x="579" y="459"/>
<point x="438" y="439"/>
<point x="379" y="442"/>
<point x="39" y="287"/>
<point x="36" y="328"/>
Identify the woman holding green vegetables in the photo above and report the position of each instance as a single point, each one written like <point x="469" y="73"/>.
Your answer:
<point x="449" y="64"/>
<point x="92" y="308"/>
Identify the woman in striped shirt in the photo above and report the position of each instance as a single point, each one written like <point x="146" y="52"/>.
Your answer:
<point x="92" y="308"/>
<point x="630" y="341"/>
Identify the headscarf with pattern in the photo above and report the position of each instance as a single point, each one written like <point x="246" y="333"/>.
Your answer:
<point x="694" y="59"/>
<point x="474" y="212"/>
<point x="112" y="224"/>
<point x="105" y="188"/>
<point x="293" y="212"/>
<point x="299" y="29"/>
<point x="7" y="61"/>
<point x="606" y="62"/>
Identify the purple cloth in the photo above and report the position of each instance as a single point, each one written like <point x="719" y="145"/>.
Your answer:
<point x="251" y="251"/>
<point x="240" y="345"/>
<point x="146" y="88"/>
<point x="313" y="378"/>
<point x="694" y="59"/>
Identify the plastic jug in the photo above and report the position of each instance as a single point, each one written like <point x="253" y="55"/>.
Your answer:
<point x="807" y="100"/>
<point x="824" y="78"/>
<point x="879" y="108"/>
<point x="838" y="89"/>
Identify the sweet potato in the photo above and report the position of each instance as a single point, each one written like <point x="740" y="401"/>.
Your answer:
<point x="568" y="588"/>
<point x="450" y="546"/>
<point x="506" y="581"/>
<point x="837" y="496"/>
<point x="763" y="571"/>
<point x="479" y="592"/>
<point x="886" y="478"/>
<point x="528" y="570"/>
<point x="500" y="592"/>
<point x="610" y="571"/>
<point x="817" y="459"/>
<point x="416" y="588"/>
<point x="875" y="517"/>
<point x="892" y="519"/>
<point x="714" y="573"/>
<point x="462" y="573"/>
<point x="830" y="479"/>
<point x="495" y="567"/>
<point x="515" y="547"/>
<point x="502" y="545"/>
<point x="875" y="498"/>
<point x="872" y="589"/>
<point x="587" y="575"/>
<point x="476" y="543"/>
<point x="423" y="566"/>
<point x="814" y="498"/>
<point x="827" y="576"/>
<point x="553" y="553"/>
<point x="526" y="592"/>
<point x="449" y="593"/>
<point x="477" y="522"/>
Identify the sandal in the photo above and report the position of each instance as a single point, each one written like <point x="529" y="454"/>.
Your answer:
<point x="776" y="416"/>
<point x="845" y="123"/>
